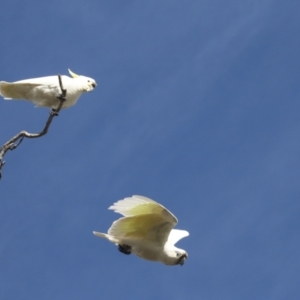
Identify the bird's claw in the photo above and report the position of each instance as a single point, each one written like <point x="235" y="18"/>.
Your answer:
<point x="62" y="97"/>
<point x="54" y="112"/>
<point x="124" y="249"/>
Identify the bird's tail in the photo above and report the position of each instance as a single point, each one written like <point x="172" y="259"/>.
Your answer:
<point x="105" y="236"/>
<point x="100" y="234"/>
<point x="5" y="90"/>
<point x="14" y="90"/>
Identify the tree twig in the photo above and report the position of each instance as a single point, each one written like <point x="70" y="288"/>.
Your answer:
<point x="14" y="142"/>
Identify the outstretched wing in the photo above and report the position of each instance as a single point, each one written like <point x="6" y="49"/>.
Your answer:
<point x="151" y="228"/>
<point x="140" y="205"/>
<point x="144" y="219"/>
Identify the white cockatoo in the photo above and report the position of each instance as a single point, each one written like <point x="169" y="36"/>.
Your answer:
<point x="146" y="230"/>
<point x="44" y="91"/>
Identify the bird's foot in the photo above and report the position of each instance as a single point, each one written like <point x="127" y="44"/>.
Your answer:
<point x="54" y="112"/>
<point x="124" y="249"/>
<point x="62" y="96"/>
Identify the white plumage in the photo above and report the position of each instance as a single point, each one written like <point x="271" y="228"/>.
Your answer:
<point x="146" y="230"/>
<point x="43" y="91"/>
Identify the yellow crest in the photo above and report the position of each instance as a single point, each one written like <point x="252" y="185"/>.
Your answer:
<point x="73" y="74"/>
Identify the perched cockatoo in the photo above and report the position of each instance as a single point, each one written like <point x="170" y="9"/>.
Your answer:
<point x="43" y="91"/>
<point x="146" y="230"/>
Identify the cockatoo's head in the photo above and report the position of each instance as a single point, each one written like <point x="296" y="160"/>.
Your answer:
<point x="87" y="84"/>
<point x="175" y="256"/>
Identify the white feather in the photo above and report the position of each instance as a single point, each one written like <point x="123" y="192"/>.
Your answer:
<point x="176" y="235"/>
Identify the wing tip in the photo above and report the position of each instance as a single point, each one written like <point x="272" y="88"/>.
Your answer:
<point x="137" y="198"/>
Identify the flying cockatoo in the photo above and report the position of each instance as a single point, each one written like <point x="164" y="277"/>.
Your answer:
<point x="146" y="230"/>
<point x="44" y="91"/>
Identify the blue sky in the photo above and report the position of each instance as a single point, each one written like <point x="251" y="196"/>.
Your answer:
<point x="197" y="106"/>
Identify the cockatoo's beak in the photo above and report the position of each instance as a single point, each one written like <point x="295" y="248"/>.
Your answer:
<point x="182" y="259"/>
<point x="73" y="74"/>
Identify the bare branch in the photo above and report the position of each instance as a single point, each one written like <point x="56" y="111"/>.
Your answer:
<point x="14" y="142"/>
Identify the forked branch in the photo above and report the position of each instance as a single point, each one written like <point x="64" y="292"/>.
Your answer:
<point x="14" y="142"/>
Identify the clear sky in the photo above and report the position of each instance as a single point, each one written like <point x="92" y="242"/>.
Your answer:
<point x="197" y="106"/>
